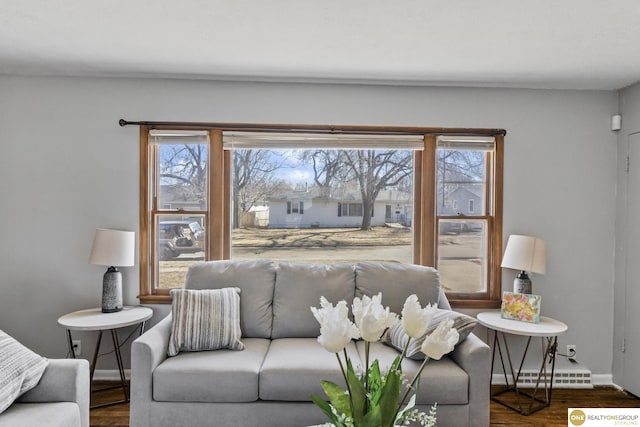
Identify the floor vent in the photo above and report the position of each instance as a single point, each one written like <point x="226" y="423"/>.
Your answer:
<point x="569" y="378"/>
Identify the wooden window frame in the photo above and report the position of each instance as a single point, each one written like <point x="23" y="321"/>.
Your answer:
<point x="491" y="298"/>
<point x="218" y="225"/>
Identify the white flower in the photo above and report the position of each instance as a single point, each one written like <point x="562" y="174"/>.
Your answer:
<point x="441" y="341"/>
<point x="415" y="319"/>
<point x="372" y="318"/>
<point x="336" y="330"/>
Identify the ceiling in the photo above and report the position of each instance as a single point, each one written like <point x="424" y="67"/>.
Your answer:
<point x="569" y="44"/>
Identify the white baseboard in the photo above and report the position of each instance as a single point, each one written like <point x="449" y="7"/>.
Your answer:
<point x="497" y="379"/>
<point x="604" y="380"/>
<point x="110" y="375"/>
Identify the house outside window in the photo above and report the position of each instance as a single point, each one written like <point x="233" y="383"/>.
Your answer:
<point x="230" y="199"/>
<point x="349" y="209"/>
<point x="295" y="207"/>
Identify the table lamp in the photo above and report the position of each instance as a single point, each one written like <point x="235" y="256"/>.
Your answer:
<point x="112" y="248"/>
<point x="527" y="254"/>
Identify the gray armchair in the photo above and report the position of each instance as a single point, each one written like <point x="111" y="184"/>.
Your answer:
<point x="61" y="398"/>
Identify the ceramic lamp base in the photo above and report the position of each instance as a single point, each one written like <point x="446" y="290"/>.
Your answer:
<point x="112" y="291"/>
<point x="522" y="284"/>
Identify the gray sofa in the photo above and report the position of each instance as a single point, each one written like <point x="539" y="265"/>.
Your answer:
<point x="61" y="398"/>
<point x="270" y="382"/>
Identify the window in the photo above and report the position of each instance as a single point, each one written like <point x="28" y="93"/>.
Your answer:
<point x="350" y="209"/>
<point x="220" y="193"/>
<point x="176" y="204"/>
<point x="295" y="207"/>
<point x="467" y="241"/>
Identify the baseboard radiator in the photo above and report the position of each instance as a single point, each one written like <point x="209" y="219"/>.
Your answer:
<point x="563" y="378"/>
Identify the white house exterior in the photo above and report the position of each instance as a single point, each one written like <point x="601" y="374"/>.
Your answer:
<point x="304" y="210"/>
<point x="462" y="201"/>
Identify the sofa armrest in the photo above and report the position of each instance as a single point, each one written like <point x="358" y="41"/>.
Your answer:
<point x="63" y="380"/>
<point x="147" y="352"/>
<point x="474" y="356"/>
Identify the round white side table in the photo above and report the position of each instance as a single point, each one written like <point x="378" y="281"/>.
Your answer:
<point x="94" y="319"/>
<point x="548" y="330"/>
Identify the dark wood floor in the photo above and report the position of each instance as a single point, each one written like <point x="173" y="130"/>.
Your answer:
<point x="553" y="416"/>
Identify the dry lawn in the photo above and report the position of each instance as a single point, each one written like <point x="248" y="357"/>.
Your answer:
<point x="320" y="237"/>
<point x="327" y="245"/>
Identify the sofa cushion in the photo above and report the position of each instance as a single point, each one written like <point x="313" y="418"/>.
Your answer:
<point x="49" y="414"/>
<point x="255" y="278"/>
<point x="299" y="287"/>
<point x="397" y="338"/>
<point x="20" y="370"/>
<point x="441" y="381"/>
<point x="397" y="282"/>
<point x="294" y="367"/>
<point x="211" y="376"/>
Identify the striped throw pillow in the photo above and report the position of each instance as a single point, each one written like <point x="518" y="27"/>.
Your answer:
<point x="20" y="370"/>
<point x="396" y="337"/>
<point x="205" y="319"/>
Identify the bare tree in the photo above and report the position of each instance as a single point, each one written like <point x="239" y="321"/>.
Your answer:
<point x="253" y="179"/>
<point x="374" y="170"/>
<point x="328" y="168"/>
<point x="458" y="168"/>
<point x="371" y="170"/>
<point x="184" y="166"/>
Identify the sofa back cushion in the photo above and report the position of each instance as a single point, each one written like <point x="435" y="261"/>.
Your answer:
<point x="397" y="282"/>
<point x="256" y="281"/>
<point x="299" y="287"/>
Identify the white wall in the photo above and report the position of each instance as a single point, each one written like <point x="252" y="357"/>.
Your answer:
<point x="629" y="107"/>
<point x="66" y="167"/>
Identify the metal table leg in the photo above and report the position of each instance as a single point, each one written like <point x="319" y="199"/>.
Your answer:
<point x="94" y="360"/>
<point x="123" y="380"/>
<point x="123" y="384"/>
<point x="70" y="344"/>
<point x="95" y="357"/>
<point x="525" y="400"/>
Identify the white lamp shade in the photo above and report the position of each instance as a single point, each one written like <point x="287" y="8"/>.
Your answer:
<point x="113" y="248"/>
<point x="525" y="253"/>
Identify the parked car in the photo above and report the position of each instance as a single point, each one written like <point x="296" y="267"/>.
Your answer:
<point x="457" y="227"/>
<point x="179" y="237"/>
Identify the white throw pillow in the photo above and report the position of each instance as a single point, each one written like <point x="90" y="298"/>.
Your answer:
<point x="205" y="319"/>
<point x="397" y="338"/>
<point x="20" y="370"/>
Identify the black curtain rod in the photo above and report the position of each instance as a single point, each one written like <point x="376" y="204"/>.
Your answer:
<point x="375" y="130"/>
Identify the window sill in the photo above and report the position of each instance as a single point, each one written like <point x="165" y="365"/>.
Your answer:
<point x="466" y="303"/>
<point x="155" y="299"/>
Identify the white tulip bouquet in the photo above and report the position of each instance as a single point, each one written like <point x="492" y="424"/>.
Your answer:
<point x="372" y="399"/>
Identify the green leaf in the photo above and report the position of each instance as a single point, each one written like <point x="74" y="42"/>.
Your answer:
<point x="375" y="383"/>
<point x="389" y="398"/>
<point x="326" y="408"/>
<point x="372" y="419"/>
<point x="397" y="362"/>
<point x="338" y="397"/>
<point x="358" y="394"/>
